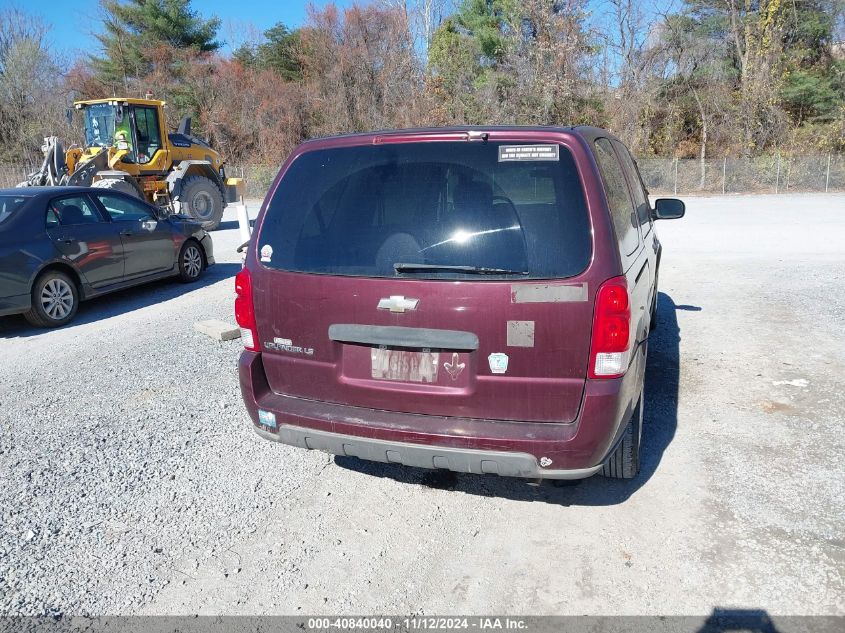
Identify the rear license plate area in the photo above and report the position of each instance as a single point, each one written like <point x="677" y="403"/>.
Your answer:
<point x="403" y="365"/>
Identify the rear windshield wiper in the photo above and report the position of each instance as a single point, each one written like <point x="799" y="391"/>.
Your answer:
<point x="399" y="267"/>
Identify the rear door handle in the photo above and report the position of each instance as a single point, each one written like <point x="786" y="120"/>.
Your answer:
<point x="126" y="233"/>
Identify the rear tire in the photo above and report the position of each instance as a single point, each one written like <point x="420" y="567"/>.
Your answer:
<point x="624" y="462"/>
<point x="191" y="262"/>
<point x="201" y="199"/>
<point x="117" y="184"/>
<point x="653" y="322"/>
<point x="55" y="299"/>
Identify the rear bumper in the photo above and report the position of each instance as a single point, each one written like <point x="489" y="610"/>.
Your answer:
<point x="15" y="305"/>
<point x="462" y="460"/>
<point x="511" y="448"/>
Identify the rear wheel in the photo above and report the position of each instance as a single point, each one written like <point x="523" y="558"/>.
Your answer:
<point x="191" y="262"/>
<point x="624" y="463"/>
<point x="117" y="184"/>
<point x="55" y="299"/>
<point x="201" y="199"/>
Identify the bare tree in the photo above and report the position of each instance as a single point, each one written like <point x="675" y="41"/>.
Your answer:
<point x="360" y="69"/>
<point x="423" y="17"/>
<point x="32" y="97"/>
<point x="630" y="90"/>
<point x="697" y="70"/>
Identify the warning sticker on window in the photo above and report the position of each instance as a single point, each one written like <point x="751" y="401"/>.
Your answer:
<point x="528" y="152"/>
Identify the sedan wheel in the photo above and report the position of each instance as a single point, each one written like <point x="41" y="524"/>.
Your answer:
<point x="190" y="262"/>
<point x="55" y="299"/>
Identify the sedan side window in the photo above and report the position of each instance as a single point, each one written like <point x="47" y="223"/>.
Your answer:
<point x="122" y="209"/>
<point x="72" y="211"/>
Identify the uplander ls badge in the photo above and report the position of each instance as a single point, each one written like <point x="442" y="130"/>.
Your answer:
<point x="397" y="303"/>
<point x="286" y="345"/>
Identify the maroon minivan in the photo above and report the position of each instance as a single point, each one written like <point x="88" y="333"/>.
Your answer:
<point x="471" y="299"/>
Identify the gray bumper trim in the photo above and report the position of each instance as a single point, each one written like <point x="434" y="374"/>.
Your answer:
<point x="461" y="460"/>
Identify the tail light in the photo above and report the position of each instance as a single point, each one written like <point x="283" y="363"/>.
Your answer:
<point x="245" y="310"/>
<point x="610" y="346"/>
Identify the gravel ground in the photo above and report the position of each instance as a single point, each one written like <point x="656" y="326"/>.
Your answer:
<point x="133" y="483"/>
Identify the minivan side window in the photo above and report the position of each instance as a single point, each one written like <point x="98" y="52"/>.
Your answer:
<point x="637" y="188"/>
<point x="618" y="197"/>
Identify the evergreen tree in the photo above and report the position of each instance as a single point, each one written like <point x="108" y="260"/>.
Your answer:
<point x="135" y="27"/>
<point x="280" y="52"/>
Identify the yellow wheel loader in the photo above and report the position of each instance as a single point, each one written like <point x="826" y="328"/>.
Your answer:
<point x="127" y="148"/>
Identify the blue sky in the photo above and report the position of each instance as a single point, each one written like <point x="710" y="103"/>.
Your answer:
<point x="74" y="22"/>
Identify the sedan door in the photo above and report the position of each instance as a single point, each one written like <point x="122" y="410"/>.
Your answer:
<point x="85" y="239"/>
<point x="148" y="243"/>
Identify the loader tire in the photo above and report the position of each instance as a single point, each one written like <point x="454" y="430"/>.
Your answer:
<point x="201" y="200"/>
<point x="117" y="184"/>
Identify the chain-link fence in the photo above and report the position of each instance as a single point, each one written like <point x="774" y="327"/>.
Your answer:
<point x="11" y="175"/>
<point x="257" y="178"/>
<point x="662" y="176"/>
<point x="764" y="174"/>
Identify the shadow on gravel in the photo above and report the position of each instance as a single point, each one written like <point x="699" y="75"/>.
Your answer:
<point x="661" y="420"/>
<point x="749" y="620"/>
<point x="123" y="301"/>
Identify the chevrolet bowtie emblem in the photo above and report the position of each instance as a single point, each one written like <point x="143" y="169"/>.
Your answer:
<point x="397" y="303"/>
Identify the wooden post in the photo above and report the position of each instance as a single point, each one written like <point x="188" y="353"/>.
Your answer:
<point x="827" y="177"/>
<point x="676" y="176"/>
<point x="788" y="171"/>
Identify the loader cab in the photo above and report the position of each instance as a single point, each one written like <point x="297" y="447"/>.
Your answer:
<point x="134" y="126"/>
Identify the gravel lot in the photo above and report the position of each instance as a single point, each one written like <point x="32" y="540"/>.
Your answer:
<point x="133" y="483"/>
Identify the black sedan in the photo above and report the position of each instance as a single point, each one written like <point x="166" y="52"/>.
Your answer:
<point x="59" y="245"/>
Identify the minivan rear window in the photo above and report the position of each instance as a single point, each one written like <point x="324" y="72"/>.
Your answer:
<point x="379" y="210"/>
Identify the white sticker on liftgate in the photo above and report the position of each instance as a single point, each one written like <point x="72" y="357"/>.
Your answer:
<point x="266" y="253"/>
<point x="508" y="153"/>
<point x="498" y="362"/>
